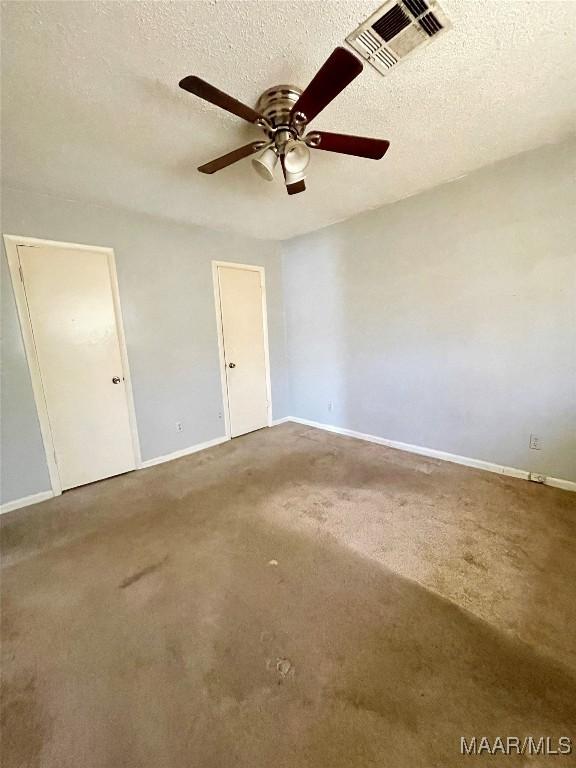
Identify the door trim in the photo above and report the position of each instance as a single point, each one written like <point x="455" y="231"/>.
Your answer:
<point x="220" y="331"/>
<point x="11" y="243"/>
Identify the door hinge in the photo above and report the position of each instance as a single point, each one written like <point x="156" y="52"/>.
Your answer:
<point x="20" y="270"/>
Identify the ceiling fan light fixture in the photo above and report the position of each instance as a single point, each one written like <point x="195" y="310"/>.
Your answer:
<point x="293" y="178"/>
<point x="265" y="163"/>
<point x="296" y="157"/>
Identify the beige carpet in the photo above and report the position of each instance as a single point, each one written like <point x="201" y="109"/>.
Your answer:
<point x="291" y="598"/>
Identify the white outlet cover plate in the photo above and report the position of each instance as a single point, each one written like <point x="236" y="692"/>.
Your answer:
<point x="535" y="477"/>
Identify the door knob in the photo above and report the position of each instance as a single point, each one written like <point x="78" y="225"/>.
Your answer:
<point x="231" y="365"/>
<point x="116" y="380"/>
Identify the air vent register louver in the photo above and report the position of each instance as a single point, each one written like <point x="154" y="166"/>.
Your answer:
<point x="397" y="29"/>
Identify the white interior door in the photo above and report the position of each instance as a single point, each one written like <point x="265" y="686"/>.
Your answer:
<point x="241" y="306"/>
<point x="73" y="320"/>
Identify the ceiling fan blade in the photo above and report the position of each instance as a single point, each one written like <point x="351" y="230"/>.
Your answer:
<point x="295" y="187"/>
<point x="360" y="146"/>
<point x="334" y="75"/>
<point x="232" y="157"/>
<point x="208" y="92"/>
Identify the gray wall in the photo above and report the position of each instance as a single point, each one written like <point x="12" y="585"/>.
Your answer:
<point x="447" y="320"/>
<point x="165" y="279"/>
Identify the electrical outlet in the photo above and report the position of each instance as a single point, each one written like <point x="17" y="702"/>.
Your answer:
<point x="330" y="405"/>
<point x="535" y="443"/>
<point x="179" y="426"/>
<point x="536" y="477"/>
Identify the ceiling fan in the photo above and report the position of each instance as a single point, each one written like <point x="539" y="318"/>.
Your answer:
<point x="283" y="113"/>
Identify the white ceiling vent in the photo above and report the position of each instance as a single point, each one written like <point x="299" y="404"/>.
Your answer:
<point x="396" y="29"/>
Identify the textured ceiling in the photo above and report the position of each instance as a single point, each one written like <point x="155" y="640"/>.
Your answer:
<point x="92" y="108"/>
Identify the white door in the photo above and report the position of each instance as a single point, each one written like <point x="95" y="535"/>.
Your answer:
<point x="241" y="305"/>
<point x="71" y="309"/>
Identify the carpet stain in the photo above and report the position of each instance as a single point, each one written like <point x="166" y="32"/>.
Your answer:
<point x="472" y="560"/>
<point x="23" y="730"/>
<point x="141" y="573"/>
<point x="334" y="658"/>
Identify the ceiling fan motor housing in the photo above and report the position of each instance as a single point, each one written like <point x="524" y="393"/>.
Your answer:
<point x="276" y="102"/>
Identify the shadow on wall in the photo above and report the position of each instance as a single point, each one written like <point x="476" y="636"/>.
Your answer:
<point x="317" y="322"/>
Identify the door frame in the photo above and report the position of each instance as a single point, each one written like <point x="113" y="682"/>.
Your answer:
<point x="11" y="243"/>
<point x="220" y="331"/>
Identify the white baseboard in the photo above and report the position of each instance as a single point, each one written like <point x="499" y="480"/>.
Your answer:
<point x="523" y="474"/>
<point x="558" y="482"/>
<point x="25" y="501"/>
<point x="45" y="495"/>
<point x="183" y="452"/>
